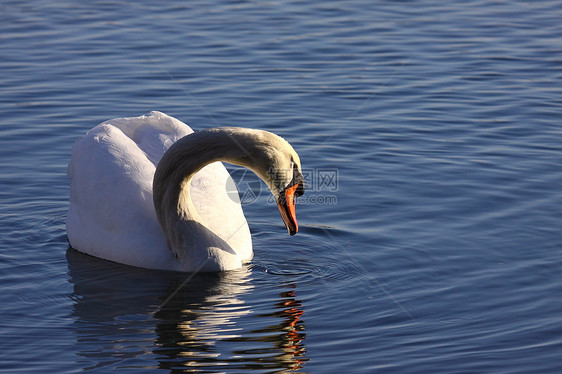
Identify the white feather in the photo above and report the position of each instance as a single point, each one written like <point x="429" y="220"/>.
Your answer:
<point x="111" y="213"/>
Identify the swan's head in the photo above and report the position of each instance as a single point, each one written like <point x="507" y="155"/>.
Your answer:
<point x="286" y="185"/>
<point x="275" y="161"/>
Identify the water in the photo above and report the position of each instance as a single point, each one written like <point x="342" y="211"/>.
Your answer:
<point x="431" y="229"/>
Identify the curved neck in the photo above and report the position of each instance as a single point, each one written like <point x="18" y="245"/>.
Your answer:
<point x="187" y="236"/>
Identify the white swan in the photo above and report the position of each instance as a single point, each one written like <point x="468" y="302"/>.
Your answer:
<point x="147" y="192"/>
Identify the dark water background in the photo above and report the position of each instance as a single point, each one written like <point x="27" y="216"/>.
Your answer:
<point x="431" y="230"/>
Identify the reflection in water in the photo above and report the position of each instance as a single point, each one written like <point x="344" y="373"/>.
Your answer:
<point x="286" y="335"/>
<point x="209" y="323"/>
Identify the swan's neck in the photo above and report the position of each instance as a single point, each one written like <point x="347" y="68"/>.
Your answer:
<point x="188" y="237"/>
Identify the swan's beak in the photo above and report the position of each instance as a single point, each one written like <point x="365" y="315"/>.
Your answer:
<point x="286" y="204"/>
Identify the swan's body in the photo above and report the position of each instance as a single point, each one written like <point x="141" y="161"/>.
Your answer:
<point x="187" y="221"/>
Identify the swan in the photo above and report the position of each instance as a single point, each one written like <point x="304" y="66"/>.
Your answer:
<point x="148" y="192"/>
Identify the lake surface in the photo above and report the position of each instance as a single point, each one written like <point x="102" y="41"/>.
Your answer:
<point x="430" y="238"/>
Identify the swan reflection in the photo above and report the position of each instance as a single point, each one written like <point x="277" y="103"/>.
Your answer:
<point x="137" y="318"/>
<point x="286" y="334"/>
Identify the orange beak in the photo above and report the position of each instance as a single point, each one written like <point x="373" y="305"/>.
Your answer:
<point x="286" y="206"/>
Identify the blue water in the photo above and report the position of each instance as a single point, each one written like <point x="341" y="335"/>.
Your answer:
<point x="430" y="238"/>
